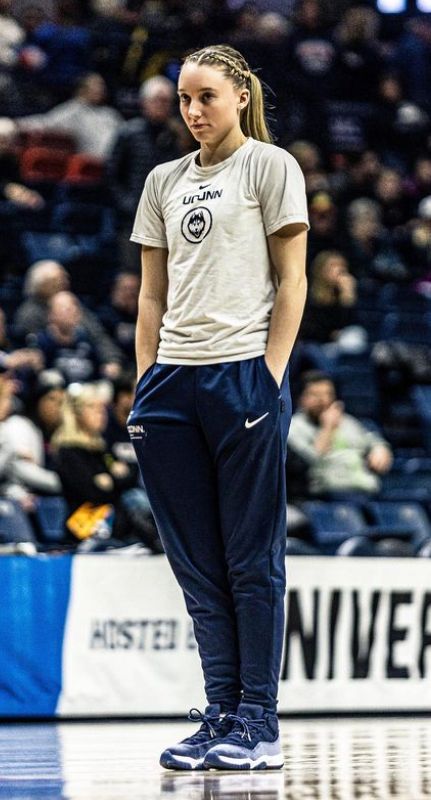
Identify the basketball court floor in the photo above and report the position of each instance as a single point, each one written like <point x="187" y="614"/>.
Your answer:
<point x="360" y="759"/>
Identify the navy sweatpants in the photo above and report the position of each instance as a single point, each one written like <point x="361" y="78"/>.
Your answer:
<point x="211" y="445"/>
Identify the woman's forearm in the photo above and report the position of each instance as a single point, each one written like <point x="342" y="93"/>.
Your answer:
<point x="285" y="321"/>
<point x="148" y="326"/>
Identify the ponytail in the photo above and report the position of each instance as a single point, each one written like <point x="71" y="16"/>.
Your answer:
<point x="235" y="67"/>
<point x="253" y="122"/>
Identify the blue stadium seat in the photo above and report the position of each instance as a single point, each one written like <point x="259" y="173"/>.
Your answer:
<point x="356" y="546"/>
<point x="405" y="486"/>
<point x="425" y="550"/>
<point x="401" y="519"/>
<point x="297" y="547"/>
<point x="333" y="522"/>
<point x="51" y="515"/>
<point x="14" y="523"/>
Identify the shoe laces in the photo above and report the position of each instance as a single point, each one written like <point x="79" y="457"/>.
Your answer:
<point x="207" y="721"/>
<point x="245" y="726"/>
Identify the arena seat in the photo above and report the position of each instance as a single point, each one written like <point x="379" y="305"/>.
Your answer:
<point x="51" y="515"/>
<point x="425" y="550"/>
<point x="356" y="546"/>
<point x="14" y="523"/>
<point x="297" y="547"/>
<point x="405" y="486"/>
<point x="393" y="548"/>
<point x="43" y="164"/>
<point x="401" y="519"/>
<point x="84" y="169"/>
<point x="333" y="522"/>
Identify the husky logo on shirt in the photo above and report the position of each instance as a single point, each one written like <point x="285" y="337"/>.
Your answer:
<point x="196" y="224"/>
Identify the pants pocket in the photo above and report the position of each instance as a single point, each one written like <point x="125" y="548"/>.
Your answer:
<point x="271" y="378"/>
<point x="144" y="375"/>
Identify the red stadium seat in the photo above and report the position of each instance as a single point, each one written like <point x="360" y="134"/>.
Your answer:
<point x="43" y="164"/>
<point x="84" y="169"/>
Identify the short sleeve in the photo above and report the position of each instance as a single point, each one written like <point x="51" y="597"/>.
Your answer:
<point x="280" y="189"/>
<point x="149" y="227"/>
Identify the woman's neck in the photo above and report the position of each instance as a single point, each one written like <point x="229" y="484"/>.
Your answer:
<point x="212" y="153"/>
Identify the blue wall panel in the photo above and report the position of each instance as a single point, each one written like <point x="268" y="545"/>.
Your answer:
<point x="34" y="597"/>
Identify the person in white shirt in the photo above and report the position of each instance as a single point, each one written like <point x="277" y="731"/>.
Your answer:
<point x="223" y="231"/>
<point x="86" y="117"/>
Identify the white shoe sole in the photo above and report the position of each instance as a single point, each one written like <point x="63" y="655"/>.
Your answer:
<point x="263" y="762"/>
<point x="172" y="761"/>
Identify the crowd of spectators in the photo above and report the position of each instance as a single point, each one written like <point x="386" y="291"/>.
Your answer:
<point x="87" y="109"/>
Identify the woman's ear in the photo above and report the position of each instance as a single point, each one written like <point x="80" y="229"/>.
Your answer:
<point x="243" y="99"/>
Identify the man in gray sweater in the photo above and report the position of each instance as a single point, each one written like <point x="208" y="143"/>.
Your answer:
<point x="342" y="455"/>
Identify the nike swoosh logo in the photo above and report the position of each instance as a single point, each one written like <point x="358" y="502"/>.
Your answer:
<point x="204" y="185"/>
<point x="249" y="424"/>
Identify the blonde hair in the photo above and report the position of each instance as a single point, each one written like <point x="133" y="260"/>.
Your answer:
<point x="70" y="432"/>
<point x="235" y="67"/>
<point x="320" y="290"/>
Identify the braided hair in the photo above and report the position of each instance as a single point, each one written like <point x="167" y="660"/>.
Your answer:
<point x="235" y="67"/>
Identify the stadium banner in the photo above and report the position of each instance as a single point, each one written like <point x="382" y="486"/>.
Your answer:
<point x="101" y="635"/>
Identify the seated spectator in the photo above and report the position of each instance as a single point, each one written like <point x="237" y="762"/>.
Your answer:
<point x="14" y="196"/>
<point x="24" y="359"/>
<point x="325" y="231"/>
<point x="118" y="442"/>
<point x="395" y="205"/>
<point x="370" y="248"/>
<point x="141" y="144"/>
<point x="417" y="246"/>
<point x="65" y="345"/>
<point x="43" y="280"/>
<point x="119" y="316"/>
<point x="115" y="433"/>
<point x="343" y="456"/>
<point x="363" y="169"/>
<point x="359" y="58"/>
<point x="44" y="405"/>
<point x="92" y="478"/>
<point x="86" y="117"/>
<point x="419" y="184"/>
<point x="331" y="300"/>
<point x="22" y="462"/>
<point x="398" y="128"/>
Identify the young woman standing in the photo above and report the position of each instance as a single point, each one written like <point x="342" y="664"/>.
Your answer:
<point x="223" y="288"/>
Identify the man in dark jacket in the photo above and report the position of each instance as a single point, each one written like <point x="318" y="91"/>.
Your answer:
<point x="141" y="144"/>
<point x="43" y="280"/>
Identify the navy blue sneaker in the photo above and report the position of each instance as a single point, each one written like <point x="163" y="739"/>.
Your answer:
<point x="253" y="743"/>
<point x="190" y="752"/>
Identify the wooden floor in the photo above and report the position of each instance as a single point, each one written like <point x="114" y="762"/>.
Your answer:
<point x="366" y="759"/>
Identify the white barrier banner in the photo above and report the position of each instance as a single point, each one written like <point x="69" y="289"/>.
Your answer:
<point x="357" y="637"/>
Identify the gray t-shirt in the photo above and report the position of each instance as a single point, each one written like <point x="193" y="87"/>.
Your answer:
<point x="214" y="222"/>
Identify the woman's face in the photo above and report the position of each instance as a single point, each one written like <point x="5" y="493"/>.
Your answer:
<point x="335" y="266"/>
<point x="50" y="409"/>
<point x="209" y="102"/>
<point x="92" y="417"/>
